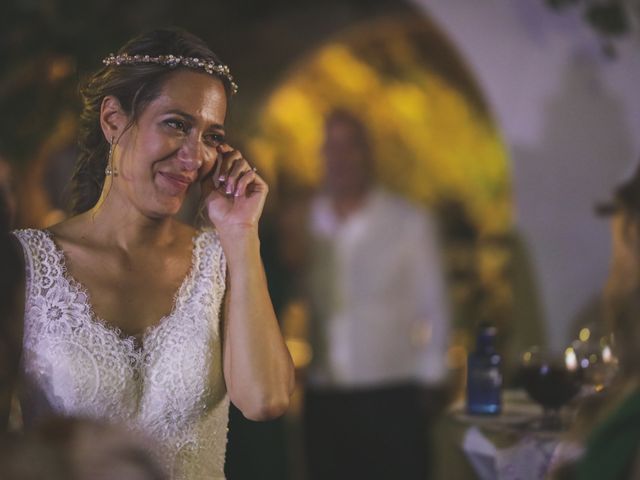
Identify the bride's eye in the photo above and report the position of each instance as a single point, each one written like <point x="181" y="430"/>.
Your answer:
<point x="214" y="139"/>
<point x="176" y="124"/>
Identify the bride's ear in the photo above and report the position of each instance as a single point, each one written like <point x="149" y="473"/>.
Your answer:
<point x="113" y="119"/>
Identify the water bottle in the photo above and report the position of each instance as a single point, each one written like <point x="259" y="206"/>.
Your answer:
<point x="484" y="376"/>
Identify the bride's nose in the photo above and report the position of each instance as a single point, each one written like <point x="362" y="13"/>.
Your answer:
<point x="191" y="153"/>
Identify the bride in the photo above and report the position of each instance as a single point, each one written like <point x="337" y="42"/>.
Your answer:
<point x="131" y="316"/>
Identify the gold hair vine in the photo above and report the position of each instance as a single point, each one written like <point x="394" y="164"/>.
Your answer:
<point x="173" y="61"/>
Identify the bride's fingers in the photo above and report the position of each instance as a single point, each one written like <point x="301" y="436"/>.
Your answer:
<point x="215" y="174"/>
<point x="228" y="157"/>
<point x="237" y="169"/>
<point x="245" y="180"/>
<point x="233" y="175"/>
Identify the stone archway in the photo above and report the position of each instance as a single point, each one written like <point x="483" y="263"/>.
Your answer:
<point x="434" y="136"/>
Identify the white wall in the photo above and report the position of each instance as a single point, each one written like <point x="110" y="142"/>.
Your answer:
<point x="571" y="120"/>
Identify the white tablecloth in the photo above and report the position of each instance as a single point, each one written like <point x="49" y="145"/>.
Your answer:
<point x="511" y="446"/>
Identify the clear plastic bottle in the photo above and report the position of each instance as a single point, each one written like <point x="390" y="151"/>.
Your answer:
<point x="484" y="375"/>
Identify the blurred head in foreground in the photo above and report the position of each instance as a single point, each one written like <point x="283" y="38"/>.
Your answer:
<point x="75" y="449"/>
<point x="622" y="290"/>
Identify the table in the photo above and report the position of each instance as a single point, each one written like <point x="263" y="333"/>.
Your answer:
<point x="509" y="446"/>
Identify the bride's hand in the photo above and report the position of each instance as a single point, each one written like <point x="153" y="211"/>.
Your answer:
<point x="234" y="194"/>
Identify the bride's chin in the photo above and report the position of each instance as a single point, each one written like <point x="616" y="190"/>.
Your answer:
<point x="165" y="208"/>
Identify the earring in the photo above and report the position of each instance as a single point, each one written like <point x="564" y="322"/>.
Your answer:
<point x="109" y="170"/>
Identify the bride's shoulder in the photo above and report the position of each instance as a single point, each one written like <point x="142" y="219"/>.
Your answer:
<point x="185" y="231"/>
<point x="203" y="234"/>
<point x="71" y="228"/>
<point x="72" y="232"/>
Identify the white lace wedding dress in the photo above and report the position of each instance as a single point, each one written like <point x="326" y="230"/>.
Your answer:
<point x="170" y="387"/>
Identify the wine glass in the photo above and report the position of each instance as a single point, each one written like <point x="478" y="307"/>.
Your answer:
<point x="551" y="379"/>
<point x="597" y="359"/>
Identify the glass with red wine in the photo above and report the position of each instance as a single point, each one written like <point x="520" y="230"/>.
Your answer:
<point x="552" y="379"/>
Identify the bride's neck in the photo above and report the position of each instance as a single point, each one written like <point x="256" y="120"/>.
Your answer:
<point x="111" y="222"/>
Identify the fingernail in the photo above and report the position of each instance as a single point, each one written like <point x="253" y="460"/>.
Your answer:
<point x="221" y="178"/>
<point x="229" y="189"/>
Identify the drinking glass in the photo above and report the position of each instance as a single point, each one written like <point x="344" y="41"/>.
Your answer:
<point x="551" y="379"/>
<point x="597" y="359"/>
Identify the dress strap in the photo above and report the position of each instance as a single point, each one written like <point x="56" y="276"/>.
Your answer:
<point x="206" y="290"/>
<point x="209" y="257"/>
<point x="36" y="253"/>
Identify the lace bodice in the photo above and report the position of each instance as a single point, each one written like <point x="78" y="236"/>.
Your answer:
<point x="170" y="387"/>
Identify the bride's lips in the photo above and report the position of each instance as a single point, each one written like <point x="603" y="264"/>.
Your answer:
<point x="177" y="183"/>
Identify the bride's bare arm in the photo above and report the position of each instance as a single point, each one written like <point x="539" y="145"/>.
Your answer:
<point x="257" y="366"/>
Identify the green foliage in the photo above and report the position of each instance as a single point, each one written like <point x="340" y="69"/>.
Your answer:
<point x="607" y="18"/>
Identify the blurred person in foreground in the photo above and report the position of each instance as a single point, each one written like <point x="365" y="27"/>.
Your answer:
<point x="7" y="196"/>
<point x="11" y="293"/>
<point x="78" y="449"/>
<point x="608" y="425"/>
<point x="131" y="316"/>
<point x="379" y="319"/>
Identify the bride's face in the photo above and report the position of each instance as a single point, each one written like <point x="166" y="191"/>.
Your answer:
<point x="173" y="143"/>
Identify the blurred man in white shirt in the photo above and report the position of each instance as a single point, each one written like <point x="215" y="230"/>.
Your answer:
<point x="379" y="319"/>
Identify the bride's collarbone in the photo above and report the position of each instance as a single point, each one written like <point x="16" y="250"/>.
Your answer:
<point x="131" y="294"/>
